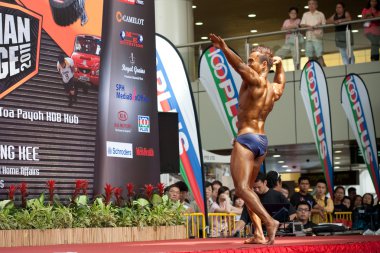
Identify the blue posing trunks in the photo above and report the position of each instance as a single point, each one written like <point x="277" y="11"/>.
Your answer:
<point x="257" y="143"/>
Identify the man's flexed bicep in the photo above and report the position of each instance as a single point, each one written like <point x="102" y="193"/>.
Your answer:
<point x="279" y="78"/>
<point x="233" y="59"/>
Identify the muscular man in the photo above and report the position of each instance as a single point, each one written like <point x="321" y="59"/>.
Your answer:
<point x="256" y="99"/>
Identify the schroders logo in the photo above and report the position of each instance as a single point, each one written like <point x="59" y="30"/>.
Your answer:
<point x="119" y="149"/>
<point x="138" y="2"/>
<point x="131" y="39"/>
<point x="120" y="17"/>
<point x="133" y="71"/>
<point x="143" y="124"/>
<point x="140" y="151"/>
<point x="133" y="96"/>
<point x="20" y="33"/>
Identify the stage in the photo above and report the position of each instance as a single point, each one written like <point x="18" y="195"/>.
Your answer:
<point x="317" y="244"/>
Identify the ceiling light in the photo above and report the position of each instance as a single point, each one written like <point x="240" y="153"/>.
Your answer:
<point x="360" y="16"/>
<point x="338" y="151"/>
<point x="306" y="7"/>
<point x="194" y="6"/>
<point x="199" y="23"/>
<point x="337" y="158"/>
<point x="355" y="31"/>
<point x="302" y="50"/>
<point x="281" y="161"/>
<point x="251" y="15"/>
<point x="255" y="44"/>
<point x="276" y="155"/>
<point x="204" y="38"/>
<point x="336" y="167"/>
<point x="284" y="166"/>
<point x="336" y="162"/>
<point x="254" y="31"/>
<point x="288" y="170"/>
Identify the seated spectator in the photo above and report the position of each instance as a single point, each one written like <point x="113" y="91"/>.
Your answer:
<point x="324" y="204"/>
<point x="347" y="202"/>
<point x="303" y="215"/>
<point x="338" y="198"/>
<point x="368" y="200"/>
<point x="358" y="202"/>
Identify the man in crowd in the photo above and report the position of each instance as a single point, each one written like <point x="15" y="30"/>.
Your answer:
<point x="303" y="215"/>
<point x="324" y="204"/>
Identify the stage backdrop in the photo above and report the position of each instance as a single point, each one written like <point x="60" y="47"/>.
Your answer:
<point x="357" y="106"/>
<point x="315" y="96"/>
<point x="41" y="137"/>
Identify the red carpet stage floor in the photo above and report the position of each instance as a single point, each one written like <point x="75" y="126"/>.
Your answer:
<point x="317" y="244"/>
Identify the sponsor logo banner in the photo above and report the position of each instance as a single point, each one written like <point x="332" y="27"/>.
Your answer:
<point x="315" y="97"/>
<point x="138" y="2"/>
<point x="174" y="95"/>
<point x="140" y="151"/>
<point x="357" y="106"/>
<point x="121" y="17"/>
<point x="119" y="149"/>
<point x="20" y="34"/>
<point x="143" y="124"/>
<point x="133" y="71"/>
<point x="131" y="39"/>
<point x="222" y="84"/>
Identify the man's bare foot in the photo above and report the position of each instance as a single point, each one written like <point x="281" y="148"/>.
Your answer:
<point x="255" y="240"/>
<point x="271" y="230"/>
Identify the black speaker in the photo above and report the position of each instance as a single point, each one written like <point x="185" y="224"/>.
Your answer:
<point x="169" y="142"/>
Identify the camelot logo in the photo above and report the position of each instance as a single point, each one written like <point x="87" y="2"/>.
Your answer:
<point x="20" y="33"/>
<point x="120" y="17"/>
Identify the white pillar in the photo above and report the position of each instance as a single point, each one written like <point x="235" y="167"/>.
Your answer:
<point x="175" y="21"/>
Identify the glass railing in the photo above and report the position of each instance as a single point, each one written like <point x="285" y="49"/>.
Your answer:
<point x="242" y="45"/>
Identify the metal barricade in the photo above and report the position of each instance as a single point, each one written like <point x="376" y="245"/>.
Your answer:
<point x="221" y="224"/>
<point x="195" y="225"/>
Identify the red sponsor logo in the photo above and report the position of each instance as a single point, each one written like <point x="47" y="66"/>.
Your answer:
<point x="122" y="115"/>
<point x="140" y="151"/>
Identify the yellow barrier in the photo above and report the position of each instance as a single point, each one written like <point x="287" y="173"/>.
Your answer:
<point x="221" y="224"/>
<point x="339" y="216"/>
<point x="197" y="224"/>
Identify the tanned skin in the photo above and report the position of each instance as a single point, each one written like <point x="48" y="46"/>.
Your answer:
<point x="256" y="99"/>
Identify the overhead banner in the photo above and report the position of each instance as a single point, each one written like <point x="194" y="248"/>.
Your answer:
<point x="222" y="84"/>
<point x="174" y="95"/>
<point x="314" y="94"/>
<point x="357" y="106"/>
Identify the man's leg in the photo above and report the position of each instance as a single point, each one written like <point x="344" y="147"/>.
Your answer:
<point x="244" y="171"/>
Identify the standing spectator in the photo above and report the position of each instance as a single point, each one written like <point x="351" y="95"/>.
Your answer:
<point x="324" y="204"/>
<point x="338" y="198"/>
<point x="341" y="15"/>
<point x="368" y="200"/>
<point x="285" y="191"/>
<point x="372" y="28"/>
<point x="184" y="191"/>
<point x="303" y="194"/>
<point x="65" y="66"/>
<point x="352" y="194"/>
<point x="291" y="38"/>
<point x="216" y="184"/>
<point x="314" y="36"/>
<point x="238" y="204"/>
<point x="274" y="180"/>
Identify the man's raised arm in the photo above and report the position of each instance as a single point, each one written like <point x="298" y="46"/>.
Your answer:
<point x="235" y="61"/>
<point x="279" y="78"/>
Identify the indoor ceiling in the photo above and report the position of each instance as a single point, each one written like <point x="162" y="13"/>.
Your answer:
<point x="230" y="19"/>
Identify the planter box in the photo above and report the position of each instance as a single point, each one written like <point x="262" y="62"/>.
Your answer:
<point x="35" y="237"/>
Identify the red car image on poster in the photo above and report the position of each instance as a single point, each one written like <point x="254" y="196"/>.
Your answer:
<point x="86" y="57"/>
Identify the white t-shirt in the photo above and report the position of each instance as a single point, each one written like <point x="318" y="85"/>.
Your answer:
<point x="66" y="72"/>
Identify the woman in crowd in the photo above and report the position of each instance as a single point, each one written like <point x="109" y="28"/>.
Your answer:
<point x="341" y="15"/>
<point x="372" y="28"/>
